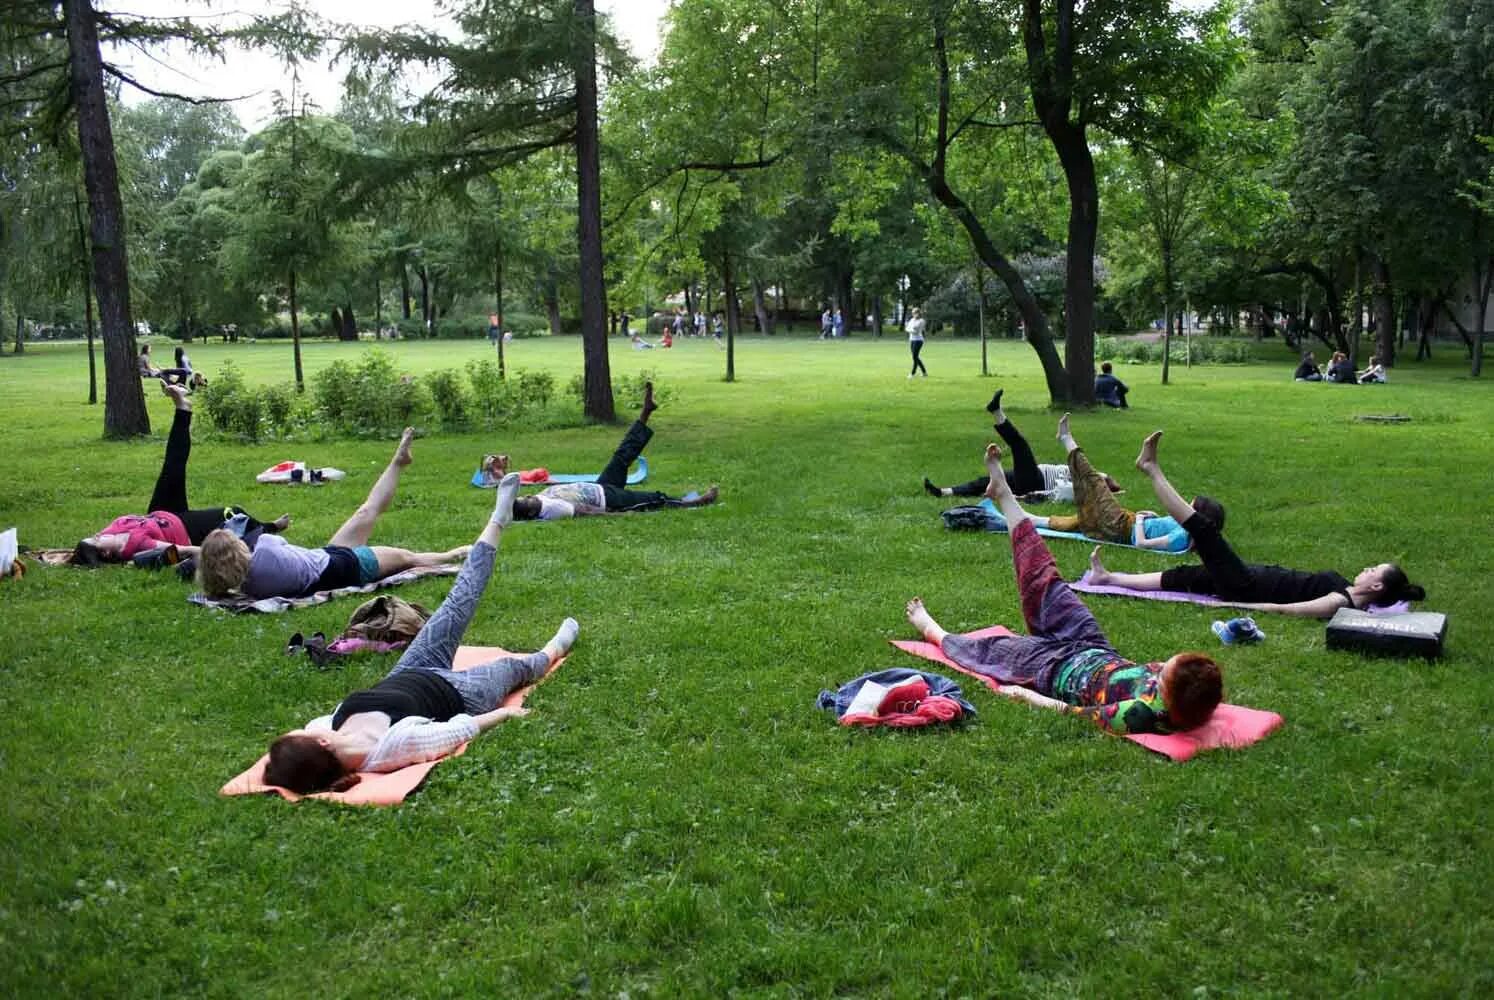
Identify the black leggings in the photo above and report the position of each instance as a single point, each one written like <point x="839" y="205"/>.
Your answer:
<point x="171" y="486"/>
<point x="1023" y="477"/>
<point x="614" y="478"/>
<point x="916" y="346"/>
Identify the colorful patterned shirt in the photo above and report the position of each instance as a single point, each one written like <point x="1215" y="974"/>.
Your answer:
<point x="1122" y="696"/>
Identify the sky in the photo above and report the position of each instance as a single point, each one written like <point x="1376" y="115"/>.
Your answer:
<point x="259" y="75"/>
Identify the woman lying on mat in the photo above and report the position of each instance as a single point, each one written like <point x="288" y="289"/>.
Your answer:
<point x="423" y="709"/>
<point x="170" y="521"/>
<point x="1026" y="477"/>
<point x="276" y="568"/>
<point x="1100" y="516"/>
<point x="1066" y="662"/>
<point x="1251" y="585"/>
<point x="609" y="494"/>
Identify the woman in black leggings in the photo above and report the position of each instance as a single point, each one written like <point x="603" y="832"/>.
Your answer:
<point x="170" y="521"/>
<point x="1252" y="586"/>
<point x="1025" y="477"/>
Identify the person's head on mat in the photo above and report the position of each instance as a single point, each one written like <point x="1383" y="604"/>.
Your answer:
<point x="1192" y="687"/>
<point x="1388" y="584"/>
<point x="307" y="762"/>
<point x="527" y="508"/>
<point x="95" y="550"/>
<point x="223" y="563"/>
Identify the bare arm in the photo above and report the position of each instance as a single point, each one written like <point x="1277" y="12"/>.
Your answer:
<point x="1321" y="607"/>
<point x="1018" y="693"/>
<point x="488" y="720"/>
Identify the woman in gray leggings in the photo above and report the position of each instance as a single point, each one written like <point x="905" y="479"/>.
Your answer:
<point x="423" y="709"/>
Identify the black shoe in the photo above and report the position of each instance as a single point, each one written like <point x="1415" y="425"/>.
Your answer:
<point x="187" y="569"/>
<point x="930" y="488"/>
<point x="995" y="403"/>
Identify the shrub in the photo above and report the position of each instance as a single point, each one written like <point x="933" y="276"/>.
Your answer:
<point x="450" y="397"/>
<point x="279" y="406"/>
<point x="627" y="393"/>
<point x="494" y="398"/>
<point x="218" y="395"/>
<point x="1203" y="350"/>
<point x="369" y="398"/>
<point x="535" y="388"/>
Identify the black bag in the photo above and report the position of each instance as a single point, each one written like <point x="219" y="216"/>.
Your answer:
<point x="1411" y="633"/>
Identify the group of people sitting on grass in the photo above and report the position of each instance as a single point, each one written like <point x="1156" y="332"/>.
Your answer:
<point x="424" y="708"/>
<point x="1340" y="369"/>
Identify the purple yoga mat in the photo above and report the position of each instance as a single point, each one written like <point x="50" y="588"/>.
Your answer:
<point x="1083" y="585"/>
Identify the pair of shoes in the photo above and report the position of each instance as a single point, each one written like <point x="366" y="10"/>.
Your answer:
<point x="1238" y="630"/>
<point x="314" y="647"/>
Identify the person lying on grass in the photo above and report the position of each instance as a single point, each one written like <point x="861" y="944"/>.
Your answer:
<point x="1251" y="585"/>
<point x="1027" y="478"/>
<point x="609" y="493"/>
<point x="1100" y="516"/>
<point x="423" y="709"/>
<point x="170" y="521"/>
<point x="1066" y="662"/>
<point x="275" y="568"/>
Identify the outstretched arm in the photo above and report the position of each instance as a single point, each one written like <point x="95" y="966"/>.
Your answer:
<point x="1321" y="607"/>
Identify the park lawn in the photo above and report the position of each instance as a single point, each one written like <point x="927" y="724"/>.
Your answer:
<point x="676" y="817"/>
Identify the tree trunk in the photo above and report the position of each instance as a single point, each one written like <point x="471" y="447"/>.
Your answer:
<point x="349" y="330"/>
<point x="690" y="304"/>
<point x="1482" y="287"/>
<point x="1079" y="282"/>
<point x="1166" y="311"/>
<point x="296" y="332"/>
<point x="20" y="333"/>
<point x="876" y="313"/>
<point x="87" y="286"/>
<point x="551" y="294"/>
<point x="1356" y="322"/>
<point x="760" y="306"/>
<point x="125" y="414"/>
<point x="334" y="320"/>
<point x="426" y="319"/>
<point x="404" y="290"/>
<point x="1385" y="324"/>
<point x="1426" y="317"/>
<point x="598" y="376"/>
<point x="498" y="300"/>
<point x="843" y="294"/>
<point x="733" y="315"/>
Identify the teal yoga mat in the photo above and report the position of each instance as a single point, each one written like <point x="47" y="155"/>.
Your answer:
<point x="995" y="522"/>
<point x="638" y="475"/>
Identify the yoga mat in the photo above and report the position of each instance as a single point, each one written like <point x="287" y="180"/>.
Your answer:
<point x="990" y="509"/>
<point x="274" y="605"/>
<point x="1083" y="585"/>
<point x="638" y="475"/>
<point x="384" y="789"/>
<point x="1231" y="726"/>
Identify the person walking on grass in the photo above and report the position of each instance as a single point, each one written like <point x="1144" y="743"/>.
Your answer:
<point x="1066" y="662"/>
<point x="275" y="568"/>
<point x="423" y="709"/>
<point x="609" y="493"/>
<point x="1252" y="586"/>
<point x="171" y="522"/>
<point x="1027" y="478"/>
<point x="1100" y="516"/>
<point x="916" y="325"/>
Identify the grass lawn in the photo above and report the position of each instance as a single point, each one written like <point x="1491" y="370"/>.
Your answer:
<point x="676" y="817"/>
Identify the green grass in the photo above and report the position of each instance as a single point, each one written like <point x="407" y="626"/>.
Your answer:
<point x="676" y="818"/>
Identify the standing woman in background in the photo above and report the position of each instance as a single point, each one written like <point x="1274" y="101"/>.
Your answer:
<point x="915" y="342"/>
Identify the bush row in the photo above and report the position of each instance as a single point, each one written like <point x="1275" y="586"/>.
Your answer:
<point x="1204" y="350"/>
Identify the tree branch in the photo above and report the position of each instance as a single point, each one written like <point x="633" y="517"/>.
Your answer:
<point x="722" y="167"/>
<point x="121" y="75"/>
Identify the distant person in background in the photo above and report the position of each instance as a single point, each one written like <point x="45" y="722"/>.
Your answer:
<point x="147" y="370"/>
<point x="718" y="329"/>
<point x="626" y="319"/>
<point x="827" y="324"/>
<point x="916" y="324"/>
<point x="838" y="324"/>
<point x="1374" y="374"/>
<point x="699" y="323"/>
<point x="1110" y="390"/>
<point x="1308" y="370"/>
<point x="1340" y="370"/>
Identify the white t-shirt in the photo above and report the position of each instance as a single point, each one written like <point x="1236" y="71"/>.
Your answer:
<point x="571" y="500"/>
<point x="915" y="330"/>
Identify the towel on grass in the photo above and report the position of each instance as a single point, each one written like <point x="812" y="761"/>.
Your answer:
<point x="391" y="788"/>
<point x="1084" y="585"/>
<point x="985" y="516"/>
<point x="544" y="477"/>
<point x="272" y="605"/>
<point x="1231" y="726"/>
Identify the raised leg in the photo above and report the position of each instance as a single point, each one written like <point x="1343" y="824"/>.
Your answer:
<point x="1025" y="476"/>
<point x="356" y="530"/>
<point x="632" y="444"/>
<point x="1100" y="516"/>
<point x="1172" y="501"/>
<point x="171" y="484"/>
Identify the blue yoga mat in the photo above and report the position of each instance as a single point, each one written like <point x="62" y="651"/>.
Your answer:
<point x="995" y="522"/>
<point x="638" y="475"/>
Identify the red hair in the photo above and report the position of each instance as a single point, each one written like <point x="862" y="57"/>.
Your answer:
<point x="1193" y="689"/>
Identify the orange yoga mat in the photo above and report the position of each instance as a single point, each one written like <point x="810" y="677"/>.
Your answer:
<point x="391" y="788"/>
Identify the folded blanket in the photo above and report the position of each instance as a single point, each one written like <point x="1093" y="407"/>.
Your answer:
<point x="1230" y="726"/>
<point x="1083" y="584"/>
<point x="544" y="477"/>
<point x="985" y="517"/>
<point x="272" y="605"/>
<point x="391" y="788"/>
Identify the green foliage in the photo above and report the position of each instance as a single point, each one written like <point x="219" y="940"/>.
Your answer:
<point x="536" y="388"/>
<point x="369" y="398"/>
<point x="1200" y="350"/>
<point x="628" y="389"/>
<point x="450" y="396"/>
<point x="233" y="406"/>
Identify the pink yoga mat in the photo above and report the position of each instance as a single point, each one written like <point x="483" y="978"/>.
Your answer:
<point x="391" y="788"/>
<point x="1182" y="596"/>
<point x="1231" y="726"/>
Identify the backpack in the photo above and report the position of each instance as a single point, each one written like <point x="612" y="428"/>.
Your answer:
<point x="973" y="518"/>
<point x="386" y="619"/>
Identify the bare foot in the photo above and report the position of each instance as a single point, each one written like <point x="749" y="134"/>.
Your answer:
<point x="993" y="459"/>
<point x="402" y="454"/>
<point x="280" y="523"/>
<point x="708" y="497"/>
<point x="649" y="406"/>
<point x="458" y="554"/>
<point x="1147" y="460"/>
<point x="919" y="618"/>
<point x="1063" y="427"/>
<point x="1098" y="574"/>
<point x="179" y="394"/>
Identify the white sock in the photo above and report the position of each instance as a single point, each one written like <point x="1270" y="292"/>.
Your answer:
<point x="503" y="509"/>
<point x="565" y="638"/>
<point x="946" y="491"/>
